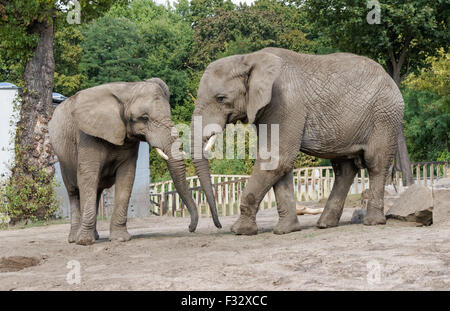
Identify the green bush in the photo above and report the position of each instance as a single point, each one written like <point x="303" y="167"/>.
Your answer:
<point x="29" y="197"/>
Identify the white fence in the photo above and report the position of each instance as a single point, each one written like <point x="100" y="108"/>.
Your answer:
<point x="310" y="183"/>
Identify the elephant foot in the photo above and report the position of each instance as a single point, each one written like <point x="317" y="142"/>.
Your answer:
<point x="374" y="216"/>
<point x="120" y="235"/>
<point x="287" y="226"/>
<point x="244" y="226"/>
<point x="73" y="234"/>
<point x="328" y="219"/>
<point x="85" y="238"/>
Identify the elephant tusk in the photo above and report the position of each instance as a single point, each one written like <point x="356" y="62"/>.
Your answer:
<point x="210" y="142"/>
<point x="162" y="154"/>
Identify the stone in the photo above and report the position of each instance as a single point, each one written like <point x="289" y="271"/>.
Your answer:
<point x="390" y="190"/>
<point x="415" y="204"/>
<point x="358" y="216"/>
<point x="441" y="201"/>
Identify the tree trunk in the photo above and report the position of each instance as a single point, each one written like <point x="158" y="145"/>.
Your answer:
<point x="32" y="147"/>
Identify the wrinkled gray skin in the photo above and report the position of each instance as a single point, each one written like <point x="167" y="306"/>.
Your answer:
<point x="342" y="107"/>
<point x="96" y="135"/>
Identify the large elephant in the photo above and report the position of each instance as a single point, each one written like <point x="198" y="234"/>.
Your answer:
<point x="96" y="135"/>
<point x="342" y="107"/>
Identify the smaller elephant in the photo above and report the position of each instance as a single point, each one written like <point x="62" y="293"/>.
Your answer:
<point x="96" y="135"/>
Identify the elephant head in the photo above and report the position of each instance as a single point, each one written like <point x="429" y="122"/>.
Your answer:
<point x="124" y="112"/>
<point x="231" y="89"/>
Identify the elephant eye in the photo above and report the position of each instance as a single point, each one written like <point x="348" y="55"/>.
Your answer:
<point x="220" y="98"/>
<point x="143" y="119"/>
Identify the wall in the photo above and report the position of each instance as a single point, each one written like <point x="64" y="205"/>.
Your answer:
<point x="7" y="97"/>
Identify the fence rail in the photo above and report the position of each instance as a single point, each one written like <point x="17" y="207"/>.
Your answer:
<point x="310" y="183"/>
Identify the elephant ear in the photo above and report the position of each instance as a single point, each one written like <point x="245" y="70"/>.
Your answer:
<point x="264" y="68"/>
<point x="163" y="86"/>
<point x="98" y="112"/>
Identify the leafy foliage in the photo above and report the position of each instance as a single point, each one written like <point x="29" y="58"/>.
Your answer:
<point x="111" y="52"/>
<point x="427" y="111"/>
<point x="29" y="197"/>
<point x="68" y="52"/>
<point x="139" y="39"/>
<point x="409" y="30"/>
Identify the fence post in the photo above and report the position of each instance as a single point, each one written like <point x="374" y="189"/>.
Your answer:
<point x="432" y="174"/>
<point x="418" y="174"/>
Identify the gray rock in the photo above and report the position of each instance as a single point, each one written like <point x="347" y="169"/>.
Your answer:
<point x="441" y="201"/>
<point x="414" y="205"/>
<point x="358" y="216"/>
<point x="390" y="190"/>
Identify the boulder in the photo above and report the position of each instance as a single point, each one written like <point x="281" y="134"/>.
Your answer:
<point x="441" y="201"/>
<point x="415" y="204"/>
<point x="358" y="215"/>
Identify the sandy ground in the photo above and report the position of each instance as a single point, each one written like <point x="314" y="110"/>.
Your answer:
<point x="163" y="255"/>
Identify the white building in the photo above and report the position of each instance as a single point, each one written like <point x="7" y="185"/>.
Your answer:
<point x="8" y="94"/>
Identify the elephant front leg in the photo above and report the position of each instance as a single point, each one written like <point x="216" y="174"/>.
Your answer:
<point x="344" y="172"/>
<point x="258" y="185"/>
<point x="123" y="187"/>
<point x="286" y="205"/>
<point x="88" y="182"/>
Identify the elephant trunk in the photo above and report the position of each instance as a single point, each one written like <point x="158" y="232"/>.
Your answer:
<point x="201" y="166"/>
<point x="177" y="170"/>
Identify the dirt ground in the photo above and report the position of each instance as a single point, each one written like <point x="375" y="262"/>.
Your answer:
<point x="163" y="255"/>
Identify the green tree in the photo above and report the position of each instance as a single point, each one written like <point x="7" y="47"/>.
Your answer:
<point x="68" y="52"/>
<point x="408" y="32"/>
<point x="165" y="41"/>
<point x="427" y="110"/>
<point x="112" y="52"/>
<point x="26" y="54"/>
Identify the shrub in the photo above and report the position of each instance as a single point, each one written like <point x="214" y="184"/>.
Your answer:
<point x="29" y="197"/>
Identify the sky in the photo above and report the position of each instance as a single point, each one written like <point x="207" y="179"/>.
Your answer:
<point x="234" y="1"/>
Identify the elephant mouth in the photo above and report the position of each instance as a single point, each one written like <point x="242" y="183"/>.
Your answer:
<point x="233" y="118"/>
<point x="140" y="137"/>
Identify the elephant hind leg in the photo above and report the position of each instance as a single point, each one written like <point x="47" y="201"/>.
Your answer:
<point x="378" y="158"/>
<point x="344" y="172"/>
<point x="286" y="205"/>
<point x="375" y="204"/>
